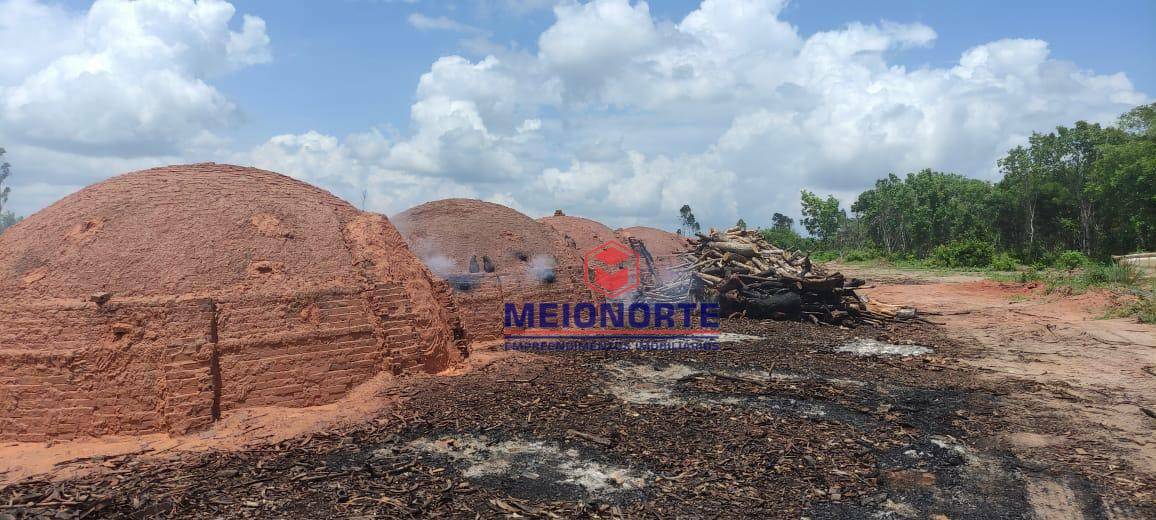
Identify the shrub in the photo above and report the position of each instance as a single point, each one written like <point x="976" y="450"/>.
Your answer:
<point x="824" y="256"/>
<point x="903" y="257"/>
<point x="787" y="239"/>
<point x="1069" y="260"/>
<point x="860" y="255"/>
<point x="1100" y="274"/>
<point x="1004" y="262"/>
<point x="1145" y="308"/>
<point x="964" y="253"/>
<point x="1031" y="275"/>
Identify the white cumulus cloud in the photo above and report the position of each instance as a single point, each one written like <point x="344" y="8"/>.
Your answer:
<point x="616" y="114"/>
<point x="129" y="77"/>
<point x="730" y="109"/>
<point x="121" y="84"/>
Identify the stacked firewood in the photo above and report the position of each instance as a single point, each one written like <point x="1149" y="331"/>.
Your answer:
<point x="749" y="276"/>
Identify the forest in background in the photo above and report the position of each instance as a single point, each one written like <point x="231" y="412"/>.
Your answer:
<point x="1081" y="191"/>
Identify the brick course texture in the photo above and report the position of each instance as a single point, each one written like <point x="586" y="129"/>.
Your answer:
<point x="449" y="235"/>
<point x="585" y="233"/>
<point x="222" y="287"/>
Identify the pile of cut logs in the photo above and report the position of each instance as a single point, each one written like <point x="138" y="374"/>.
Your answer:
<point x="750" y="277"/>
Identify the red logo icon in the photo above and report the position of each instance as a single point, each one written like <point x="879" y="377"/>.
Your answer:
<point x="611" y="269"/>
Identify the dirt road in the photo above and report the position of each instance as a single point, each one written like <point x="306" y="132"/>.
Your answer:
<point x="1016" y="406"/>
<point x="1086" y="386"/>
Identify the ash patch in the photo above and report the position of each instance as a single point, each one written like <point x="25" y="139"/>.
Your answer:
<point x="934" y="477"/>
<point x="677" y="384"/>
<point x="658" y="383"/>
<point x="533" y="468"/>
<point x="870" y="347"/>
<point x="647" y="384"/>
<point x="694" y="343"/>
<point x="734" y="337"/>
<point x="811" y="409"/>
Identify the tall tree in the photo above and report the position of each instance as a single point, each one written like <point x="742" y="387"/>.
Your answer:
<point x="1079" y="147"/>
<point x="922" y="211"/>
<point x="1021" y="188"/>
<point x="821" y="217"/>
<point x="1124" y="184"/>
<point x="781" y="222"/>
<point x="5" y="172"/>
<point x="6" y="217"/>
<point x="688" y="224"/>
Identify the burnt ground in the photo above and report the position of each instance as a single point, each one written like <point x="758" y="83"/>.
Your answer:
<point x="781" y="427"/>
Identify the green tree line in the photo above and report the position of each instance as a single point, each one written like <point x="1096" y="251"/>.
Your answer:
<point x="1087" y="188"/>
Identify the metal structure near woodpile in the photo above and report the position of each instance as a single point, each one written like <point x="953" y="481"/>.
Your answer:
<point x="750" y="277"/>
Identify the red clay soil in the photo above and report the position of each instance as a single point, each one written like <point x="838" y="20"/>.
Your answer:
<point x="451" y="234"/>
<point x="585" y="233"/>
<point x="157" y="300"/>
<point x="664" y="246"/>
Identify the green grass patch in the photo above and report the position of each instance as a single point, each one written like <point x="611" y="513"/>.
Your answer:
<point x="1120" y="279"/>
<point x="1107" y="276"/>
<point x="1143" y="307"/>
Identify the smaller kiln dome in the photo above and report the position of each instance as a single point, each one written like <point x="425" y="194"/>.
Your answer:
<point x="658" y="242"/>
<point x="450" y="234"/>
<point x="585" y="233"/>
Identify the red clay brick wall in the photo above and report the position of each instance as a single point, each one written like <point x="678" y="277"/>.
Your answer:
<point x="482" y="307"/>
<point x="479" y="306"/>
<point x="396" y="320"/>
<point x="127" y="367"/>
<point x="142" y="366"/>
<point x="299" y="350"/>
<point x="381" y="252"/>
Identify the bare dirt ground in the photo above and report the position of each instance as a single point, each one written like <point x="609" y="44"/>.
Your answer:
<point x="1024" y="407"/>
<point x="1086" y="385"/>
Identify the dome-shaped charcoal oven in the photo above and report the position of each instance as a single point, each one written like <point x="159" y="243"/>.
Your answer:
<point x="492" y="254"/>
<point x="156" y="300"/>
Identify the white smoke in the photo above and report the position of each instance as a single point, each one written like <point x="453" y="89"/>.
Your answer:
<point x="541" y="268"/>
<point x="441" y="265"/>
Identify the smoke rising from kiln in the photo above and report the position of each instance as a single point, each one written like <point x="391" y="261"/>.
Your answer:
<point x="541" y="268"/>
<point x="440" y="265"/>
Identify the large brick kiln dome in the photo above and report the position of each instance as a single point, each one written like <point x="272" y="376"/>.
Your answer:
<point x="181" y="229"/>
<point x="492" y="254"/>
<point x="157" y="299"/>
<point x="585" y="233"/>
